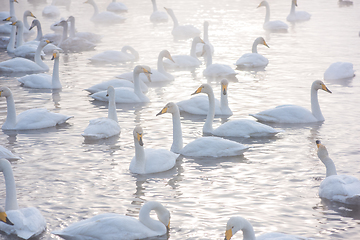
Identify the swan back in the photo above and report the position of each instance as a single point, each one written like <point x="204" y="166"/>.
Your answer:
<point x="130" y="49"/>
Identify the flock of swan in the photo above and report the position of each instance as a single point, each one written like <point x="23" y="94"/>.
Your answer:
<point x="132" y="87"/>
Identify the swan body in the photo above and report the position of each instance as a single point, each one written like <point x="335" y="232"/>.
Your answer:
<point x="6" y="153"/>
<point x="237" y="223"/>
<point x="116" y="83"/>
<point x="199" y="105"/>
<point x="122" y="227"/>
<point x="127" y="54"/>
<point x="27" y="222"/>
<point x="339" y="188"/>
<point x="89" y="36"/>
<point x="104" y="127"/>
<point x="244" y="128"/>
<point x="42" y="80"/>
<point x="124" y="94"/>
<point x="36" y="118"/>
<point x="339" y="70"/>
<point x="150" y="160"/>
<point x="203" y="146"/>
<point x="215" y="70"/>
<point x="200" y="46"/>
<point x="254" y="59"/>
<point x="185" y="61"/>
<point x="49" y="48"/>
<point x="297" y="16"/>
<point x="272" y="26"/>
<point x="105" y="17"/>
<point x="182" y="31"/>
<point x="116" y="7"/>
<point x="158" y="16"/>
<point x="293" y="113"/>
<point x="51" y="11"/>
<point x="18" y="64"/>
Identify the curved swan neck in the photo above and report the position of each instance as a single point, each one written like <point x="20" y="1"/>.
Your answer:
<point x="315" y="107"/>
<point x="177" y="132"/>
<point x="248" y="231"/>
<point x="39" y="35"/>
<point x="10" y="122"/>
<point x="132" y="51"/>
<point x="10" y="201"/>
<point x="112" y="107"/>
<point x="38" y="59"/>
<point x="211" y="113"/>
<point x="330" y="166"/>
<point x="144" y="216"/>
<point x="55" y="76"/>
<point x="96" y="9"/>
<point x="172" y="15"/>
<point x="154" y="5"/>
<point x="11" y="45"/>
<point x="72" y="28"/>
<point x="19" y="32"/>
<point x="267" y="16"/>
<point x="160" y="63"/>
<point x="254" y="46"/>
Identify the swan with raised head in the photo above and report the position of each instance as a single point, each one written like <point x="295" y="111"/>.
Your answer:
<point x="9" y="41"/>
<point x="116" y="7"/>
<point x="185" y="61"/>
<point x="157" y="75"/>
<point x="216" y="70"/>
<point x="36" y="118"/>
<point x="199" y="105"/>
<point x="23" y="65"/>
<point x="127" y="95"/>
<point x="244" y="128"/>
<point x="339" y="188"/>
<point x="293" y="113"/>
<point x="120" y="227"/>
<point x="104" y="127"/>
<point x="89" y="36"/>
<point x="51" y="11"/>
<point x="26" y="222"/>
<point x="158" y="16"/>
<point x="105" y="17"/>
<point x="272" y="26"/>
<point x="254" y="59"/>
<point x="203" y="146"/>
<point x="5" y="29"/>
<point x="116" y="83"/>
<point x="339" y="70"/>
<point x="150" y="160"/>
<point x="181" y="32"/>
<point x="297" y="16"/>
<point x="200" y="46"/>
<point x="27" y="31"/>
<point x="6" y="14"/>
<point x="43" y="80"/>
<point x="127" y="54"/>
<point x="6" y="153"/>
<point x="237" y="223"/>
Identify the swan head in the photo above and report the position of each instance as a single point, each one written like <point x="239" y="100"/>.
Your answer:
<point x="3" y="217"/>
<point x="169" y="10"/>
<point x="70" y="19"/>
<point x="34" y="23"/>
<point x="110" y="91"/>
<point x="56" y="54"/>
<point x="90" y="2"/>
<point x="44" y="42"/>
<point x="204" y="88"/>
<point x="263" y="4"/>
<point x="198" y="40"/>
<point x="169" y="108"/>
<point x="5" y="92"/>
<point x="138" y="135"/>
<point x="164" y="217"/>
<point x="318" y="84"/>
<point x="166" y="53"/>
<point x="295" y="2"/>
<point x="14" y="1"/>
<point x="322" y="151"/>
<point x="10" y="19"/>
<point x="62" y="23"/>
<point x="261" y="40"/>
<point x="17" y="23"/>
<point x="143" y="69"/>
<point x="224" y="86"/>
<point x="28" y="13"/>
<point x="233" y="225"/>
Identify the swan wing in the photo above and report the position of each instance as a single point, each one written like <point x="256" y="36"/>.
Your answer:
<point x="101" y="128"/>
<point x="252" y="60"/>
<point x="198" y="105"/>
<point x="339" y="70"/>
<point x="20" y="65"/>
<point x="122" y="95"/>
<point x="185" y="32"/>
<point x="159" y="17"/>
<point x="114" y="82"/>
<point x="298" y="16"/>
<point x="275" y="26"/>
<point x="219" y="70"/>
<point x="112" y="56"/>
<point x="182" y="61"/>
<point x="40" y="80"/>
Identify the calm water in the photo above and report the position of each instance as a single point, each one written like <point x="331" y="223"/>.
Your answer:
<point x="274" y="185"/>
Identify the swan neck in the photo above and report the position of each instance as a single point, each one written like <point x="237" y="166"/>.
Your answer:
<point x="64" y="34"/>
<point x="254" y="47"/>
<point x="292" y="10"/>
<point x="154" y="5"/>
<point x="72" y="28"/>
<point x="137" y="88"/>
<point x="315" y="107"/>
<point x="224" y="101"/>
<point x="112" y="108"/>
<point x="55" y="76"/>
<point x="208" y="59"/>
<point x="177" y="133"/>
<point x="330" y="166"/>
<point x="12" y="8"/>
<point x="193" y="49"/>
<point x="96" y="9"/>
<point x="19" y="36"/>
<point x="160" y="64"/>
<point x="11" y="45"/>
<point x="10" y="201"/>
<point x="211" y="113"/>
<point x="39" y="35"/>
<point x="248" y="231"/>
<point x="10" y="122"/>
<point x="172" y="15"/>
<point x="139" y="157"/>
<point x="38" y="59"/>
<point x="267" y="16"/>
<point x="144" y="216"/>
<point x="25" y="21"/>
<point x="206" y="33"/>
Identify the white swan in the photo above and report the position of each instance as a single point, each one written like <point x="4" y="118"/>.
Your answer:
<point x="43" y="80"/>
<point x="339" y="188"/>
<point x="199" y="105"/>
<point x="26" y="30"/>
<point x="200" y="46"/>
<point x="157" y="75"/>
<point x="127" y="95"/>
<point x="51" y="11"/>
<point x="339" y="70"/>
<point x="27" y="222"/>
<point x="120" y="227"/>
<point x="237" y="223"/>
<point x="293" y="113"/>
<point x="297" y="16"/>
<point x="6" y="14"/>
<point x="272" y="26"/>
<point x="104" y="127"/>
<point x="116" y="7"/>
<point x="150" y="160"/>
<point x="235" y="128"/>
<point x="18" y="64"/>
<point x="23" y="50"/>
<point x="203" y="146"/>
<point x="5" y="29"/>
<point x="185" y="61"/>
<point x="127" y="54"/>
<point x="36" y="118"/>
<point x="105" y="17"/>
<point x="181" y="32"/>
<point x="158" y="16"/>
<point x="116" y="83"/>
<point x="216" y="70"/>
<point x="254" y="59"/>
<point x="89" y="36"/>
<point x="6" y="153"/>
<point x="10" y="41"/>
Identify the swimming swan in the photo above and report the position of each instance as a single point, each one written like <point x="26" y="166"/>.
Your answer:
<point x="127" y="54"/>
<point x="200" y="46"/>
<point x="6" y="14"/>
<point x="116" y="83"/>
<point x="150" y="160"/>
<point x="203" y="146"/>
<point x="272" y="26"/>
<point x="158" y="16"/>
<point x="26" y="222"/>
<point x="254" y="59"/>
<point x="89" y="36"/>
<point x="182" y="32"/>
<point x="199" y="105"/>
<point x="116" y="7"/>
<point x="339" y="188"/>
<point x="296" y="114"/>
<point x="297" y="16"/>
<point x="105" y="17"/>
<point x="216" y="70"/>
<point x="120" y="227"/>
<point x="339" y="70"/>
<point x="35" y="118"/>
<point x="43" y="80"/>
<point x="235" y="128"/>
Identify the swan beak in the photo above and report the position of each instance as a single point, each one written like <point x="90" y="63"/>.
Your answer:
<point x="197" y="90"/>
<point x="4" y="218"/>
<point x="171" y="59"/>
<point x="266" y="44"/>
<point x="13" y="23"/>
<point x="259" y="5"/>
<point x="228" y="234"/>
<point x="7" y="19"/>
<point x="32" y="15"/>
<point x="224" y="89"/>
<point x="168" y="226"/>
<point x="31" y="27"/>
<point x="318" y="143"/>
<point x="139" y="138"/>
<point x="54" y="56"/>
<point x="86" y="2"/>
<point x="164" y="110"/>
<point x="16" y="1"/>
<point x="325" y="88"/>
<point x="296" y="3"/>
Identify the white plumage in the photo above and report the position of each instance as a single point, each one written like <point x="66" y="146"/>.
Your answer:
<point x="216" y="70"/>
<point x="272" y="26"/>
<point x="253" y="59"/>
<point x="105" y="17"/>
<point x="297" y="16"/>
<point x="127" y="54"/>
<point x="158" y="16"/>
<point x="181" y="32"/>
<point x="339" y="70"/>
